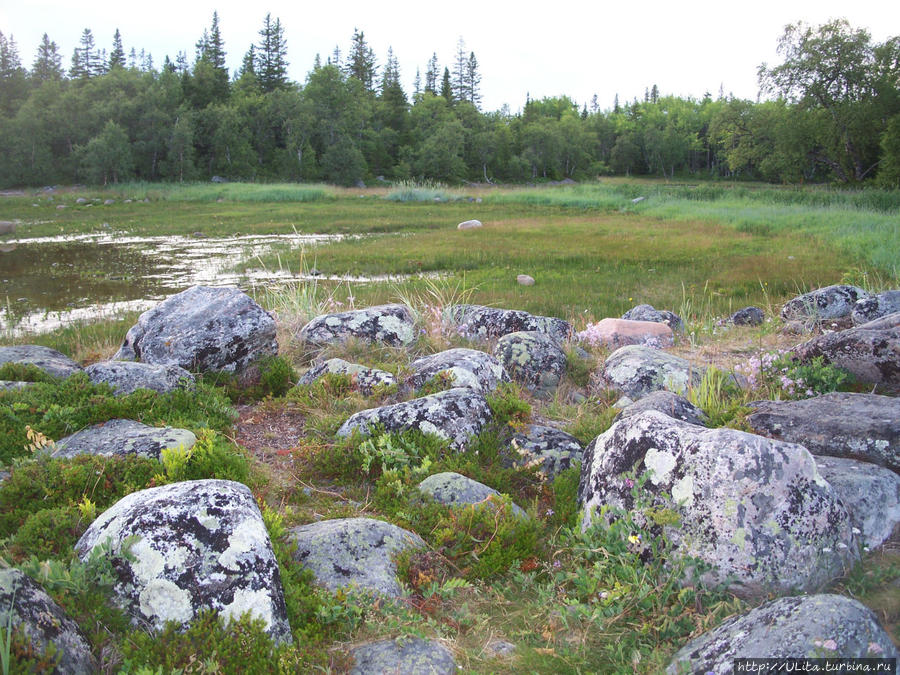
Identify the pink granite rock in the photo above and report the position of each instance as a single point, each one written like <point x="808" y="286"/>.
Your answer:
<point x="616" y="333"/>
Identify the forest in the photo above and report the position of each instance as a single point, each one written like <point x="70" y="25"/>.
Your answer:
<point x="829" y="112"/>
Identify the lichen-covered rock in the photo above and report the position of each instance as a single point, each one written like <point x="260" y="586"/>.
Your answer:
<point x="860" y="426"/>
<point x="875" y="307"/>
<point x="870" y="351"/>
<point x="128" y="376"/>
<point x="870" y="493"/>
<point x="615" y="333"/>
<point x="550" y="449"/>
<point x="454" y="489"/>
<point x="124" y="437"/>
<point x="823" y="304"/>
<point x="812" y="626"/>
<point x="6" y="385"/>
<point x="52" y="362"/>
<point x="533" y="359"/>
<point x="44" y="624"/>
<point x="754" y="509"/>
<point x="637" y="371"/>
<point x="488" y="323"/>
<point x="392" y="325"/>
<point x="668" y="403"/>
<point x="202" y="329"/>
<point x="455" y="415"/>
<point x="461" y="368"/>
<point x="748" y="316"/>
<point x="198" y="545"/>
<point x="355" y="553"/>
<point x="649" y="313"/>
<point x="406" y="655"/>
<point x="366" y="379"/>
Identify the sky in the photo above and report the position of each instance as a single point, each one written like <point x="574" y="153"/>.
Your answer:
<point x="578" y="49"/>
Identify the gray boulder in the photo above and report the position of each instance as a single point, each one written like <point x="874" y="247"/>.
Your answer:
<point x="870" y="351"/>
<point x="124" y="437"/>
<point x="202" y="329"/>
<point x="812" y="626"/>
<point x="860" y="426"/>
<point x="756" y="510"/>
<point x="128" y="376"/>
<point x="406" y="655"/>
<point x="197" y="545"/>
<point x="455" y="415"/>
<point x="392" y="325"/>
<point x="870" y="493"/>
<point x="875" y="307"/>
<point x="358" y="553"/>
<point x="44" y="624"/>
<point x="649" y="313"/>
<point x="550" y="449"/>
<point x="637" y="371"/>
<point x="748" y="316"/>
<point x="534" y="359"/>
<point x="367" y="380"/>
<point x="461" y="368"/>
<point x="454" y="489"/>
<point x="668" y="403"/>
<point x="488" y="323"/>
<point x="823" y="304"/>
<point x="49" y="360"/>
<point x="8" y="385"/>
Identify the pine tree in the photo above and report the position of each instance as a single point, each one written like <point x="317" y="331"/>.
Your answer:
<point x="85" y="57"/>
<point x="654" y="94"/>
<point x="460" y="64"/>
<point x="181" y="62"/>
<point x="446" y="87"/>
<point x="48" y="62"/>
<point x="13" y="82"/>
<point x="616" y="107"/>
<point x="271" y="65"/>
<point x="335" y="58"/>
<point x="117" y="55"/>
<point x="595" y="104"/>
<point x="473" y="81"/>
<point x="417" y="84"/>
<point x="431" y="75"/>
<point x="133" y="59"/>
<point x="361" y="61"/>
<point x="211" y="52"/>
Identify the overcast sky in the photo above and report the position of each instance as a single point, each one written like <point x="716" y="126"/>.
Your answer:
<point x="543" y="49"/>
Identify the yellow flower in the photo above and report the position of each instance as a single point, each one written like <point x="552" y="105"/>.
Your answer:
<point x="635" y="539"/>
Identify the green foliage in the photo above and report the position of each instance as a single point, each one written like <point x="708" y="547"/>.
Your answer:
<point x="508" y="406"/>
<point x="565" y="496"/>
<point x="777" y="375"/>
<point x="49" y="533"/>
<point x="719" y="396"/>
<point x="271" y="376"/>
<point x="212" y="456"/>
<point x="24" y="372"/>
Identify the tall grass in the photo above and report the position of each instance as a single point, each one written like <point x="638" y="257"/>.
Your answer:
<point x="237" y="192"/>
<point x="421" y="191"/>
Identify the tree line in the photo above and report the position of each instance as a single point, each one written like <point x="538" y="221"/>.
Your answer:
<point x="832" y="113"/>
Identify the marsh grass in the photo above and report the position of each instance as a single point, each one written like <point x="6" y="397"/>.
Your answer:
<point x="422" y="191"/>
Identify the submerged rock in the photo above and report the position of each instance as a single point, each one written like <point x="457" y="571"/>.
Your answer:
<point x="461" y="368"/>
<point x="823" y="304"/>
<point x="392" y="325"/>
<point x="407" y="655"/>
<point x="124" y="437"/>
<point x="366" y="379"/>
<point x="128" y="376"/>
<point x="52" y="362"/>
<point x="534" y="359"/>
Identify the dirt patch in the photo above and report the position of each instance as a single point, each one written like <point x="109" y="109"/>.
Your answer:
<point x="270" y="434"/>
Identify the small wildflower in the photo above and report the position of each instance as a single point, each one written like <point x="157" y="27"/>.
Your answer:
<point x="549" y="512"/>
<point x="556" y="564"/>
<point x="830" y="645"/>
<point x="856" y="530"/>
<point x="629" y="483"/>
<point x="875" y="648"/>
<point x="635" y="538"/>
<point x="826" y="550"/>
<point x="603" y="595"/>
<point x="817" y="642"/>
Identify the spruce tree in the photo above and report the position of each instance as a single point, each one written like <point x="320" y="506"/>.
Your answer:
<point x="85" y="57"/>
<point x="460" y="64"/>
<point x="431" y="75"/>
<point x="271" y="65"/>
<point x="473" y="81"/>
<point x="446" y="87"/>
<point x="361" y="61"/>
<point x="117" y="55"/>
<point x="48" y="62"/>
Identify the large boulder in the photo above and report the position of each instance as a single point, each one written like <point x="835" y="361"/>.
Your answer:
<point x="875" y="307"/>
<point x="128" y="376"/>
<point x="668" y="403"/>
<point x="366" y="379"/>
<point x="26" y="606"/>
<point x="823" y="304"/>
<point x="488" y="323"/>
<point x="812" y="626"/>
<point x="355" y="553"/>
<point x="870" y="351"/>
<point x="649" y="313"/>
<point x="860" y="426"/>
<point x="454" y="489"/>
<point x="455" y="415"/>
<point x="615" y="333"/>
<point x="124" y="437"/>
<point x="550" y="449"/>
<point x="408" y="655"/>
<point x="392" y="325"/>
<point x="756" y="510"/>
<point x="637" y="371"/>
<point x="461" y="368"/>
<point x="534" y="359"/>
<point x="52" y="362"/>
<point x="202" y="329"/>
<point x="194" y="546"/>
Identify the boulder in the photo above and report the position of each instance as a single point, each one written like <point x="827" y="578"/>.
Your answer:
<point x="823" y="304"/>
<point x="455" y="415"/>
<point x="202" y="329"/>
<point x="668" y="403"/>
<point x="469" y="225"/>
<point x="525" y="280"/>
<point x="367" y="380"/>
<point x="194" y="546"/>
<point x="488" y="323"/>
<point x="454" y="489"/>
<point x="812" y="626"/>
<point x="44" y="624"/>
<point x="649" y="313"/>
<point x="875" y="307"/>
<point x="128" y="376"/>
<point x="460" y="368"/>
<point x="748" y="316"/>
<point x="756" y="510"/>
<point x="870" y="351"/>
<point x="615" y="333"/>
<point x="6" y="385"/>
<point x="358" y="553"/>
<point x="637" y="371"/>
<point x="124" y="437"/>
<point x="392" y="325"/>
<point x="859" y="426"/>
<point x="49" y="360"/>
<point x="533" y="359"/>
<point x="550" y="449"/>
<point x="870" y="493"/>
<point x="7" y="226"/>
<point x="406" y="655"/>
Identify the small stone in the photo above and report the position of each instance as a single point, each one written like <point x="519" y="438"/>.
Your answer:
<point x="469" y="225"/>
<point x="525" y="280"/>
<point x="748" y="316"/>
<point x="454" y="489"/>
